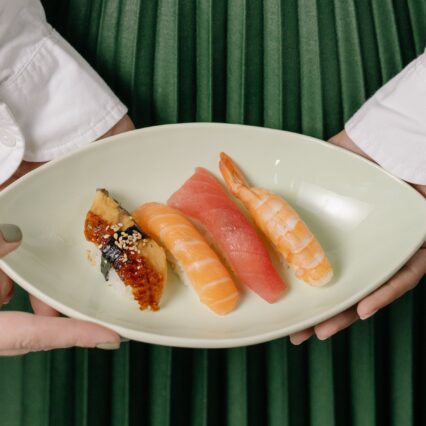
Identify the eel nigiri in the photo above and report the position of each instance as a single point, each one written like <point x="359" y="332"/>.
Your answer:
<point x="139" y="261"/>
<point x="205" y="201"/>
<point x="193" y="258"/>
<point x="282" y="225"/>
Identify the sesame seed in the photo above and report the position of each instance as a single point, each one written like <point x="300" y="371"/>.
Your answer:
<point x="116" y="235"/>
<point x="105" y="236"/>
<point x="106" y="229"/>
<point x="120" y="224"/>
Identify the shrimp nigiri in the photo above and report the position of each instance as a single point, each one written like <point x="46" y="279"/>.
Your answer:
<point x="195" y="261"/>
<point x="282" y="226"/>
<point x="205" y="200"/>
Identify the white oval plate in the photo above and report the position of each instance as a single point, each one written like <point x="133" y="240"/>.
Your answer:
<point x="368" y="222"/>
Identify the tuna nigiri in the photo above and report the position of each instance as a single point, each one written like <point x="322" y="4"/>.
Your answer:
<point x="282" y="225"/>
<point x="195" y="261"/>
<point x="205" y="200"/>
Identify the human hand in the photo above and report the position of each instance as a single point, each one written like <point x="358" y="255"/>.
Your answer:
<point x="403" y="281"/>
<point x="24" y="332"/>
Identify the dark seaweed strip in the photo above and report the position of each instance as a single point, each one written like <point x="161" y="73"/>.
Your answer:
<point x="111" y="252"/>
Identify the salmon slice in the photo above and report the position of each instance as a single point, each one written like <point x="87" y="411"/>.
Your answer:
<point x="195" y="260"/>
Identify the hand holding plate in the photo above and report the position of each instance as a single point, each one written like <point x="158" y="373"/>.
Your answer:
<point x="403" y="281"/>
<point x="23" y="332"/>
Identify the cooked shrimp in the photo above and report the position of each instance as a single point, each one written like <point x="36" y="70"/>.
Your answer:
<point x="282" y="226"/>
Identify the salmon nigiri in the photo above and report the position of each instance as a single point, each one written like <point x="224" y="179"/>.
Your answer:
<point x="205" y="200"/>
<point x="282" y="225"/>
<point x="194" y="259"/>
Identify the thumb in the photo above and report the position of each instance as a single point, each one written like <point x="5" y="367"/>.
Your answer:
<point x="10" y="238"/>
<point x="23" y="333"/>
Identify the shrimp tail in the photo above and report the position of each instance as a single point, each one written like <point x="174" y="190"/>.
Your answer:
<point x="233" y="176"/>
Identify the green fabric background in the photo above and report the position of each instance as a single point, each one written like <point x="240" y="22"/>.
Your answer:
<point x="303" y="66"/>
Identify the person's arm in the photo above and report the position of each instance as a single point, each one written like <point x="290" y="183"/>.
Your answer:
<point x="389" y="129"/>
<point x="51" y="102"/>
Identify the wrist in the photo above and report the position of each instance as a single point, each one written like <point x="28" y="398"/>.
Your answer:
<point x="343" y="140"/>
<point x="125" y="124"/>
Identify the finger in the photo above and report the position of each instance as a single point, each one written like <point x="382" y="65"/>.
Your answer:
<point x="6" y="289"/>
<point x="10" y="238"/>
<point x="333" y="325"/>
<point x="23" y="332"/>
<point x="402" y="282"/>
<point x="40" y="308"/>
<point x="301" y="336"/>
<point x="13" y="353"/>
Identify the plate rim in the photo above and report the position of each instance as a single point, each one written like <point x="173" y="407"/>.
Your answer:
<point x="111" y="139"/>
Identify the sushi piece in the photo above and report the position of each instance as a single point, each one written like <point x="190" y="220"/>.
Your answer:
<point x="194" y="260"/>
<point x="139" y="262"/>
<point x="282" y="225"/>
<point x="205" y="201"/>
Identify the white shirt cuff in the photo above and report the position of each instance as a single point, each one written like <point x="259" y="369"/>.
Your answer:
<point x="391" y="126"/>
<point x="58" y="101"/>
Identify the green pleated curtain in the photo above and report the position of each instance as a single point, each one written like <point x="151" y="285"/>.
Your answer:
<point x="303" y="66"/>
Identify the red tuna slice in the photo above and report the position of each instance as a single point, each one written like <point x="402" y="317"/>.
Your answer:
<point x="205" y="200"/>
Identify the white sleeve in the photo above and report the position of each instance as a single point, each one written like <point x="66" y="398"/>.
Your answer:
<point x="58" y="101"/>
<point x="391" y="126"/>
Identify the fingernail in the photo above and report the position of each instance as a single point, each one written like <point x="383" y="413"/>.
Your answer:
<point x="108" y="346"/>
<point x="322" y="336"/>
<point x="11" y="233"/>
<point x="366" y="316"/>
<point x="298" y="341"/>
